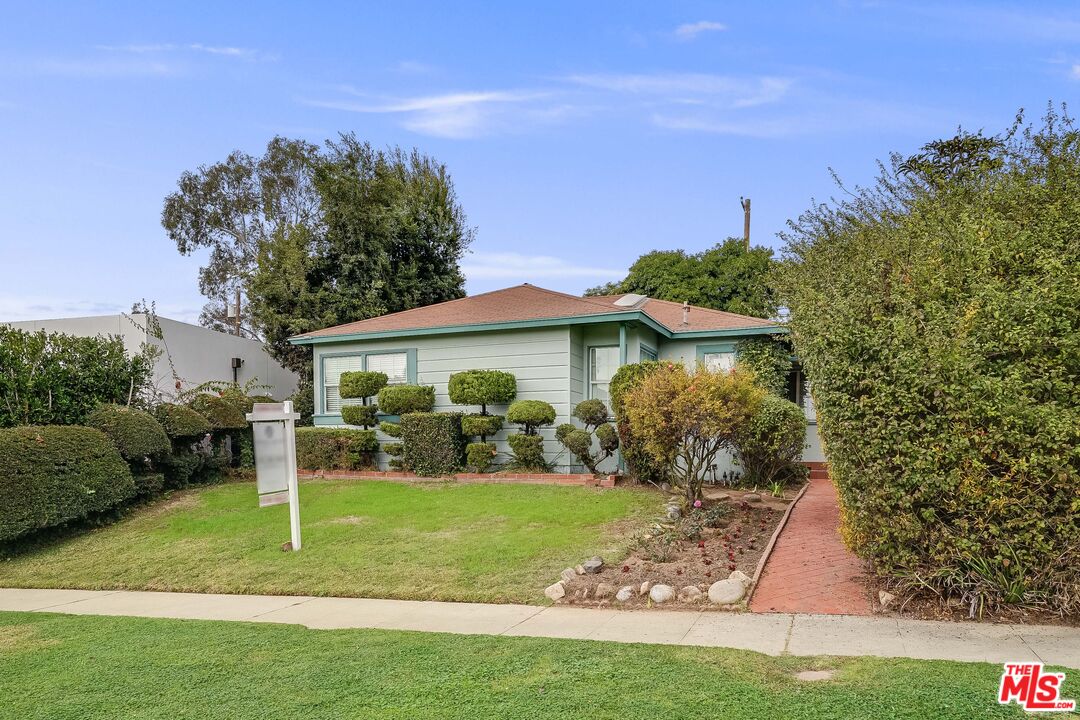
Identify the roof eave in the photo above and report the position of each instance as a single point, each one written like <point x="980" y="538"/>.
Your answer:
<point x="630" y="315"/>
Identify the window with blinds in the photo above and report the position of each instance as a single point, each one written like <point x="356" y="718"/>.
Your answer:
<point x="332" y="369"/>
<point x="395" y="365"/>
<point x="719" y="361"/>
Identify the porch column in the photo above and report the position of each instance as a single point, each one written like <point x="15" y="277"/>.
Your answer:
<point x="622" y="344"/>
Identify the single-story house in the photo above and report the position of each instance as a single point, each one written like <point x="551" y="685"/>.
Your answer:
<point x="192" y="353"/>
<point x="562" y="349"/>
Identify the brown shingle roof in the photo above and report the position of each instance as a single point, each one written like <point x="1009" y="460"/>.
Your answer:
<point x="528" y="302"/>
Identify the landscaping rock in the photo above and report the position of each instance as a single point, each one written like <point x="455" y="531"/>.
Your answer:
<point x="644" y="587"/>
<point x="579" y="570"/>
<point x="661" y="593"/>
<point x="568" y="575"/>
<point x="690" y="593"/>
<point x="666" y="487"/>
<point x="673" y="512"/>
<point x="625" y="593"/>
<point x="752" y="498"/>
<point x="741" y="577"/>
<point x="604" y="590"/>
<point x="885" y="599"/>
<point x="556" y="591"/>
<point x="726" y="592"/>
<point x="592" y="565"/>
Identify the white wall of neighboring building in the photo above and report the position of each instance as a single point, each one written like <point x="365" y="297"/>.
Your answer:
<point x="198" y="354"/>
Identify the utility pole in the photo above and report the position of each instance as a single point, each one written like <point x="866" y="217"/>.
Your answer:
<point x="238" y="303"/>
<point x="745" y="202"/>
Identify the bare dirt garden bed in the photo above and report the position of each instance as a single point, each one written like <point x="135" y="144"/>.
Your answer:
<point x="686" y="553"/>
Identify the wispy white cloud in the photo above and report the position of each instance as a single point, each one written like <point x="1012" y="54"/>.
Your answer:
<point x="690" y="31"/>
<point x="93" y="67"/>
<point x="484" y="265"/>
<point x="459" y="114"/>
<point x="691" y="88"/>
<point x="162" y="48"/>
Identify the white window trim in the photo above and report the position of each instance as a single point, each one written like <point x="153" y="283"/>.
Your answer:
<point x="589" y="382"/>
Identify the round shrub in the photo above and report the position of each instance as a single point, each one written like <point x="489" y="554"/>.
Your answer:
<point x="577" y="441"/>
<point x="361" y="384"/>
<point x="626" y="377"/>
<point x="395" y="449"/>
<point x="528" y="452"/>
<point x="608" y="437"/>
<point x="223" y="413"/>
<point x="363" y="415"/>
<point x="136" y="433"/>
<point x="53" y="474"/>
<point x="402" y="399"/>
<point x="563" y="430"/>
<point x="770" y="446"/>
<point x="479" y="456"/>
<point x="321" y="448"/>
<point x="482" y="425"/>
<point x="591" y="413"/>
<point x="531" y="414"/>
<point x="180" y="421"/>
<point x="483" y="388"/>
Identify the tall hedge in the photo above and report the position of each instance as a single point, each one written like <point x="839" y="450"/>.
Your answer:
<point x="936" y="315"/>
<point x="59" y="379"/>
<point x="55" y="474"/>
<point x="141" y="440"/>
<point x="432" y="443"/>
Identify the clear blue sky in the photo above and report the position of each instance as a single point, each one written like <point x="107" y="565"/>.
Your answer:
<point x="579" y="134"/>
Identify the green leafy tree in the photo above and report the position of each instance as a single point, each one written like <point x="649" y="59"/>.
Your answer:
<point x="724" y="277"/>
<point x="317" y="237"/>
<point x="935" y="313"/>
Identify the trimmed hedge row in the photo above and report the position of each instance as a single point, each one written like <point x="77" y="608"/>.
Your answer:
<point x="433" y="443"/>
<point x="322" y="448"/>
<point x="54" y="474"/>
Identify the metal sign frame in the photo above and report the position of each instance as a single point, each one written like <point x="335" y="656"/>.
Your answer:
<point x="279" y="413"/>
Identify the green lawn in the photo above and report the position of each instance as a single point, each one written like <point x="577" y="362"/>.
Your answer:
<point x="56" y="666"/>
<point x="432" y="541"/>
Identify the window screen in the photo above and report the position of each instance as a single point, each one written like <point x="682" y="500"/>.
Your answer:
<point x="647" y="353"/>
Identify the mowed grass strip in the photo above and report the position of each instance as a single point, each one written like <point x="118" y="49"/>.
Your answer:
<point x="426" y="541"/>
<point x="62" y="667"/>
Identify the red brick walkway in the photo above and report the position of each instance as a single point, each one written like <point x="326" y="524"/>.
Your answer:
<point x="810" y="570"/>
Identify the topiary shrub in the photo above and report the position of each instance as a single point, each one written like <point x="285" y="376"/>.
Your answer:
<point x="770" y="446"/>
<point x="362" y="415"/>
<point x="935" y="313"/>
<point x="433" y="443"/>
<point x="136" y="433"/>
<point x="322" y="448"/>
<point x="402" y="399"/>
<point x="640" y="465"/>
<point x="482" y="425"/>
<point x="55" y="474"/>
<point x="180" y="422"/>
<point x="393" y="449"/>
<point x="361" y="384"/>
<point x="390" y="428"/>
<point x="480" y="456"/>
<point x="593" y="414"/>
<point x="528" y="452"/>
<point x="531" y="415"/>
<point x="483" y="388"/>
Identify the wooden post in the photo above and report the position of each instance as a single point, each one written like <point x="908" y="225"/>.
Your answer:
<point x="745" y="202"/>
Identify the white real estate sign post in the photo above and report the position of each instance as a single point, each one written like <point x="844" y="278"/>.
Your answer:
<point x="274" y="431"/>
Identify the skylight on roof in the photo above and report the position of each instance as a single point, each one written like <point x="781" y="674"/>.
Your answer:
<point x="630" y="300"/>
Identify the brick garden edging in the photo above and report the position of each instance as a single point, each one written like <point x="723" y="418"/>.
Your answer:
<point x="579" y="479"/>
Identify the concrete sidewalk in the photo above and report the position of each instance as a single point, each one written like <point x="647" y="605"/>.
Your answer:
<point x="773" y="634"/>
